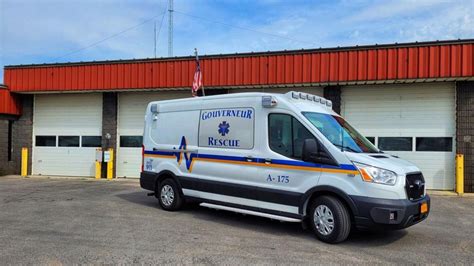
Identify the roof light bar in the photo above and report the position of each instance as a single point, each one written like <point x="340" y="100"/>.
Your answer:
<point x="310" y="97"/>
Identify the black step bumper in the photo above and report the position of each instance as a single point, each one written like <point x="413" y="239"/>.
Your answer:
<point x="148" y="180"/>
<point x="374" y="213"/>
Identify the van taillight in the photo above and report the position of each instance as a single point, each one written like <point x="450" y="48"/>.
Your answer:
<point x="143" y="156"/>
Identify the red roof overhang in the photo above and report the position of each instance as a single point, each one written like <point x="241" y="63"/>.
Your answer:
<point x="412" y="62"/>
<point x="9" y="104"/>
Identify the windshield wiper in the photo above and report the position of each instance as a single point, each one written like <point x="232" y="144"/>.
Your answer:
<point x="346" y="147"/>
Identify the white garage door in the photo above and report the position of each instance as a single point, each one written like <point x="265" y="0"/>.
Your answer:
<point x="131" y="115"/>
<point x="67" y="130"/>
<point x="413" y="121"/>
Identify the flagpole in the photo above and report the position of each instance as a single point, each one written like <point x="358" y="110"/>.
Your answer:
<point x="197" y="60"/>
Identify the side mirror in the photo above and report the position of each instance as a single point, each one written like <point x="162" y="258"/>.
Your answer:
<point x="310" y="150"/>
<point x="312" y="153"/>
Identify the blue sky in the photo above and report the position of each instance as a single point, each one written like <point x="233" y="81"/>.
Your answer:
<point x="47" y="31"/>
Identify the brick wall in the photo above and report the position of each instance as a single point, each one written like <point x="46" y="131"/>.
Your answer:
<point x="109" y="124"/>
<point x="6" y="167"/>
<point x="22" y="135"/>
<point x="333" y="93"/>
<point x="465" y="130"/>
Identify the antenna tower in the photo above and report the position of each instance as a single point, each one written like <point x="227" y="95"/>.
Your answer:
<point x="170" y="28"/>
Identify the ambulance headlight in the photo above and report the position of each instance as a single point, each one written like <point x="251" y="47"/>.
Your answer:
<point x="376" y="175"/>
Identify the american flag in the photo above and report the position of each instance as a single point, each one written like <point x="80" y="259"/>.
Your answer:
<point x="197" y="82"/>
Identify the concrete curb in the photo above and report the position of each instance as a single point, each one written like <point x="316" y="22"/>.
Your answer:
<point x="136" y="180"/>
<point x="448" y="193"/>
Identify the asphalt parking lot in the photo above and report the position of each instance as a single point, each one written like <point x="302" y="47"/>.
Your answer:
<point x="66" y="221"/>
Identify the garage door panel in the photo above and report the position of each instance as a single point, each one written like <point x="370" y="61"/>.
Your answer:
<point x="129" y="162"/>
<point x="437" y="167"/>
<point x="131" y="117"/>
<point x="64" y="162"/>
<point x="66" y="115"/>
<point x="407" y="110"/>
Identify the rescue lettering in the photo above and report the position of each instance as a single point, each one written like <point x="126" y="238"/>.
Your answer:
<point x="246" y="114"/>
<point x="223" y="142"/>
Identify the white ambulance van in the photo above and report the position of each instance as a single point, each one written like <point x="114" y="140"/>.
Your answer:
<point x="288" y="157"/>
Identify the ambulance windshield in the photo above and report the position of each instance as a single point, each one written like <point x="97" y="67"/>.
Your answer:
<point x="340" y="133"/>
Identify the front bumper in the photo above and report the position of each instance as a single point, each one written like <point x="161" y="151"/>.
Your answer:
<point x="374" y="213"/>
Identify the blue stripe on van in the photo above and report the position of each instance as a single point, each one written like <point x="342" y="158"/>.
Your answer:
<point x="348" y="167"/>
<point x="189" y="158"/>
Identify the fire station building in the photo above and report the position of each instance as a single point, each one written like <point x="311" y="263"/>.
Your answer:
<point x="414" y="100"/>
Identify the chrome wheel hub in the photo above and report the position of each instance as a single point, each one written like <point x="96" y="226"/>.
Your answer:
<point x="323" y="220"/>
<point x="167" y="195"/>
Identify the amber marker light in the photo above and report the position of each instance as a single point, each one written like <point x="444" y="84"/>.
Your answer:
<point x="365" y="176"/>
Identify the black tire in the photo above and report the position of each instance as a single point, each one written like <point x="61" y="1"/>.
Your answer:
<point x="163" y="193"/>
<point x="341" y="219"/>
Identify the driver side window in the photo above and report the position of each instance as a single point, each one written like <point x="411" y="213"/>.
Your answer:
<point x="287" y="135"/>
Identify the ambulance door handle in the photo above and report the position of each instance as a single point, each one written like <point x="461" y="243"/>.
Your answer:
<point x="268" y="160"/>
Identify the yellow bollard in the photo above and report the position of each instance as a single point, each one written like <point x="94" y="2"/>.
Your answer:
<point x="460" y="174"/>
<point x="110" y="165"/>
<point x="24" y="162"/>
<point x="98" y="163"/>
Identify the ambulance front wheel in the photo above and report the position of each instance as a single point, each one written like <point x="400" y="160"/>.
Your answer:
<point x="330" y="219"/>
<point x="169" y="195"/>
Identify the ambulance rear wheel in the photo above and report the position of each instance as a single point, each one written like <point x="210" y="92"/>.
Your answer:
<point x="329" y="219"/>
<point x="169" y="195"/>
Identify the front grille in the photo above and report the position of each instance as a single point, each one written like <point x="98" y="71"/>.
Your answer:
<point x="415" y="186"/>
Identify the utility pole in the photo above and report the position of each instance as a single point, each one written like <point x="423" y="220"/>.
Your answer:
<point x="170" y="28"/>
<point x="154" y="37"/>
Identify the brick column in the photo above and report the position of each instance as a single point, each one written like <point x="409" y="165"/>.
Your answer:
<point x="333" y="93"/>
<point x="109" y="124"/>
<point x="22" y="136"/>
<point x="6" y="167"/>
<point x="465" y="130"/>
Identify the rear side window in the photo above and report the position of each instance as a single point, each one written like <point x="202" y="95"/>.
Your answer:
<point x="395" y="143"/>
<point x="131" y="141"/>
<point x="68" y="141"/>
<point x="287" y="135"/>
<point x="91" y="141"/>
<point x="229" y="128"/>
<point x="45" y="141"/>
<point x="434" y="144"/>
<point x="280" y="134"/>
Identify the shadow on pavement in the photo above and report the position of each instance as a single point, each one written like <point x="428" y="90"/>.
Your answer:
<point x="265" y="225"/>
<point x="375" y="238"/>
<point x="141" y="198"/>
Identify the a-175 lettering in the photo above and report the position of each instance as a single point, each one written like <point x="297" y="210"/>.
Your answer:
<point x="279" y="179"/>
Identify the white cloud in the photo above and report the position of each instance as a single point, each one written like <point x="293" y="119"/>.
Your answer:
<point x="388" y="9"/>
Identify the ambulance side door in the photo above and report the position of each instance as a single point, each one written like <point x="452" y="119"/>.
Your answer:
<point x="286" y="170"/>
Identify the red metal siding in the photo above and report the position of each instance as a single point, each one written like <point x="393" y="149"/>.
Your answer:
<point x="343" y="66"/>
<point x="382" y="64"/>
<point x="424" y="62"/>
<point x="372" y="65"/>
<point x="315" y="68"/>
<point x="324" y="67"/>
<point x="361" y="65"/>
<point x="467" y="60"/>
<point x="353" y="66"/>
<point x="413" y="62"/>
<point x="335" y="66"/>
<point x="9" y="104"/>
